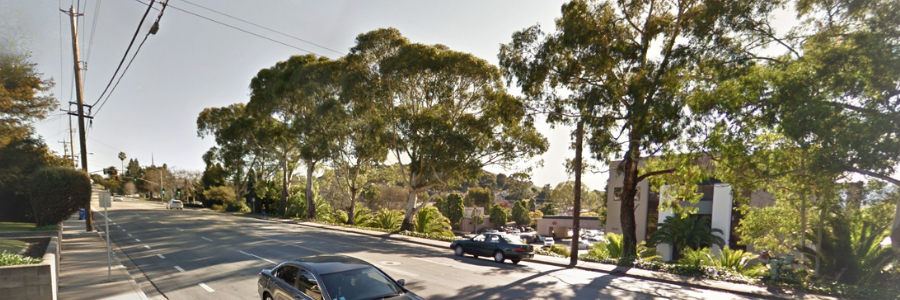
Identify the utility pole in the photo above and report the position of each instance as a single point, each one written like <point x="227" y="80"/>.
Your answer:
<point x="89" y="219"/>
<point x="72" y="143"/>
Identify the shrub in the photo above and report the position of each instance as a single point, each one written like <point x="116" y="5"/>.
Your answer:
<point x="12" y="259"/>
<point x="739" y="261"/>
<point x="560" y="250"/>
<point x="221" y="194"/>
<point x="612" y="247"/>
<point x="387" y="219"/>
<point x="238" y="206"/>
<point x="362" y="215"/>
<point x="218" y="207"/>
<point x="696" y="258"/>
<point x="498" y="215"/>
<point x="430" y="221"/>
<point x="340" y="216"/>
<point x="55" y="193"/>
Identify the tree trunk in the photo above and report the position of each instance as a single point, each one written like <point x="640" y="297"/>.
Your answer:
<point x="410" y="210"/>
<point x="285" y="186"/>
<point x="351" y="217"/>
<point x="310" y="200"/>
<point x="629" y="190"/>
<point x="576" y="210"/>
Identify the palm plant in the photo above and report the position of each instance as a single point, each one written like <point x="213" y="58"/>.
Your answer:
<point x="697" y="257"/>
<point x="739" y="261"/>
<point x="612" y="248"/>
<point x="362" y="215"/>
<point x="429" y="220"/>
<point x="686" y="232"/>
<point x="387" y="219"/>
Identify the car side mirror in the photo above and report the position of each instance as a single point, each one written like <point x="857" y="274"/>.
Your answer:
<point x="401" y="282"/>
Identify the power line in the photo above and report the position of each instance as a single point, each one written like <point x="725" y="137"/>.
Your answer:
<point x="123" y="74"/>
<point x="91" y="42"/>
<point x="61" y="72"/>
<point x="238" y="29"/>
<point x="263" y="27"/>
<point x="136" y="31"/>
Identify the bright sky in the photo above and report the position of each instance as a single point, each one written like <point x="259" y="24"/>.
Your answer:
<point x="192" y="63"/>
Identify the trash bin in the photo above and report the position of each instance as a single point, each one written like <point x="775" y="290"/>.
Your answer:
<point x="81" y="214"/>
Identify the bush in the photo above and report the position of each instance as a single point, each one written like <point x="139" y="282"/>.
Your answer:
<point x="340" y="216"/>
<point x="12" y="259"/>
<point x="221" y="194"/>
<point x="217" y="207"/>
<point x="612" y="248"/>
<point x="560" y="250"/>
<point x="387" y="219"/>
<point x="238" y="206"/>
<point x="430" y="221"/>
<point x="55" y="193"/>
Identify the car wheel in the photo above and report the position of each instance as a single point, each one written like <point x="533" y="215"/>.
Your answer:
<point x="266" y="296"/>
<point x="475" y="256"/>
<point x="499" y="257"/>
<point x="515" y="261"/>
<point x="459" y="251"/>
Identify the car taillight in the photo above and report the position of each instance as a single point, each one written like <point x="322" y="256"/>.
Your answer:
<point x="520" y="249"/>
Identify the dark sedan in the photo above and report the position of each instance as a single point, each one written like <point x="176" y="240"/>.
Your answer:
<point x="335" y="277"/>
<point x="499" y="245"/>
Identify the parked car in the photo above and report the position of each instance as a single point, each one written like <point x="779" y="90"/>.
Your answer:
<point x="584" y="244"/>
<point x="175" y="204"/>
<point x="499" y="245"/>
<point x="329" y="277"/>
<point x="118" y="199"/>
<point x="548" y="241"/>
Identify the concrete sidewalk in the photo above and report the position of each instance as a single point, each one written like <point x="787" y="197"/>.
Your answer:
<point x="742" y="289"/>
<point x="83" y="268"/>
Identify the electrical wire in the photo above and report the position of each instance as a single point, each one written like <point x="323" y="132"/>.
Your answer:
<point x="263" y="27"/>
<point x="122" y="75"/>
<point x="136" y="31"/>
<point x="238" y="29"/>
<point x="91" y="42"/>
<point x="61" y="69"/>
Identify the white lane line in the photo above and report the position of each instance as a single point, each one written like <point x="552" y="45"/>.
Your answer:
<point x="145" y="246"/>
<point x="179" y="229"/>
<point x="179" y="269"/>
<point x="440" y="263"/>
<point x="257" y="257"/>
<point x="203" y="237"/>
<point x="138" y="240"/>
<point x="130" y="234"/>
<point x="206" y="287"/>
<point x="123" y="229"/>
<point x="399" y="271"/>
<point x="161" y="256"/>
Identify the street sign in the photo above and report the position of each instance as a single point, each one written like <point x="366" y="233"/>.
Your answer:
<point x="105" y="200"/>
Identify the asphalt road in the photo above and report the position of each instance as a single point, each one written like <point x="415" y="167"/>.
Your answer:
<point x="197" y="254"/>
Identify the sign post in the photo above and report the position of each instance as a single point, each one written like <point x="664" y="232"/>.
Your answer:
<point x="105" y="202"/>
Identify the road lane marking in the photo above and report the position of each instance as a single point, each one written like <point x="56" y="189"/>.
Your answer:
<point x="179" y="269"/>
<point x="130" y="234"/>
<point x="123" y="229"/>
<point x="399" y="271"/>
<point x="145" y="246"/>
<point x="138" y="240"/>
<point x="161" y="256"/>
<point x="206" y="287"/>
<point x="203" y="237"/>
<point x="179" y="229"/>
<point x="445" y="264"/>
<point x="257" y="257"/>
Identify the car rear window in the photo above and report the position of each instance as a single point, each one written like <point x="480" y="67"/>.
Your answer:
<point x="176" y="201"/>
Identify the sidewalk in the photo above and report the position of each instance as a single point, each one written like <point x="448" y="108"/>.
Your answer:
<point x="742" y="289"/>
<point x="83" y="269"/>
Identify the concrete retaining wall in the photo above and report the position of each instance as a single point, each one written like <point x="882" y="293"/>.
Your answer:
<point x="36" y="281"/>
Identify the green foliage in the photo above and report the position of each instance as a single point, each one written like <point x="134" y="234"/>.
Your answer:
<point x="429" y="220"/>
<point x="686" y="232"/>
<point x="613" y="248"/>
<point x="455" y="208"/>
<point x="340" y="216"/>
<point x="362" y="215"/>
<point x="439" y="237"/>
<point x="222" y="194"/>
<point x="696" y="257"/>
<point x="238" y="206"/>
<point x="560" y="250"/>
<point x="56" y="193"/>
<point x="24" y="95"/>
<point x="739" y="262"/>
<point x="478" y="197"/>
<point x="387" y="219"/>
<point x="13" y="259"/>
<point x="498" y="215"/>
<point x="548" y="209"/>
<point x="520" y="214"/>
<point x="501" y="181"/>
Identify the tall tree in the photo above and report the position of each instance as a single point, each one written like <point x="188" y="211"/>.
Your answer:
<point x="238" y="148"/>
<point x="447" y="112"/>
<point x="601" y="67"/>
<point x="24" y="94"/>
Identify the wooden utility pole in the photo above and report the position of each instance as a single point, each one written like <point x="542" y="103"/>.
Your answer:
<point x="72" y="143"/>
<point x="89" y="219"/>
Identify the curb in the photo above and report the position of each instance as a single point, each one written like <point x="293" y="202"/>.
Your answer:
<point x="120" y="266"/>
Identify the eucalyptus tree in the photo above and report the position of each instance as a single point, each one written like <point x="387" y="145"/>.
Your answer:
<point x="624" y="69"/>
<point x="238" y="149"/>
<point x="447" y="113"/>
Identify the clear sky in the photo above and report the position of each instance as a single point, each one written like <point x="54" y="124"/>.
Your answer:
<point x="193" y="63"/>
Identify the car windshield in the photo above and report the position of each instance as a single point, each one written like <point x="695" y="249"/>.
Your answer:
<point x="360" y="284"/>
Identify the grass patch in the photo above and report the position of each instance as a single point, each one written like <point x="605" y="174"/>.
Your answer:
<point x="18" y="227"/>
<point x="12" y="259"/>
<point x="12" y="246"/>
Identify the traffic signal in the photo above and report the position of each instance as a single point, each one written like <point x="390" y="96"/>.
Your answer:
<point x="117" y="176"/>
<point x="163" y="191"/>
<point x="135" y="179"/>
<point x="178" y="191"/>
